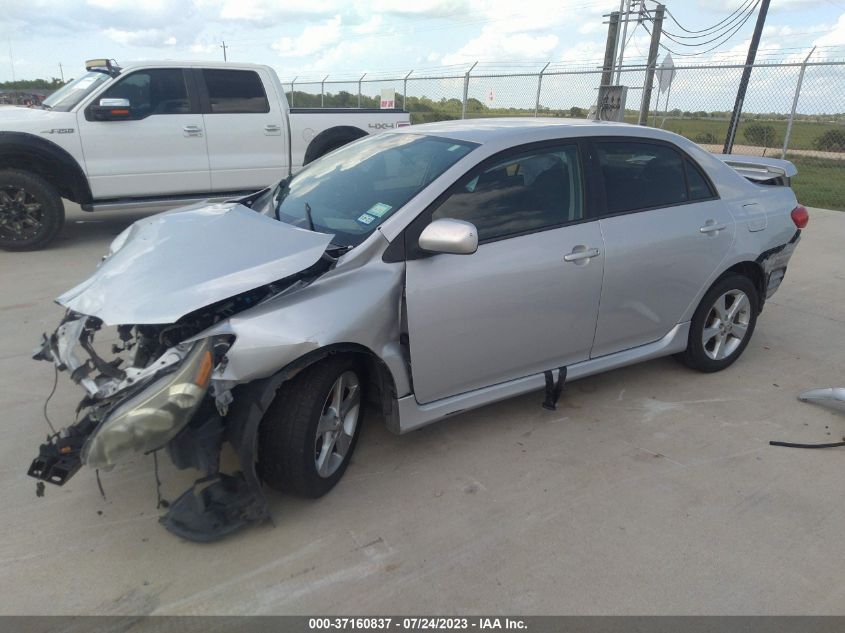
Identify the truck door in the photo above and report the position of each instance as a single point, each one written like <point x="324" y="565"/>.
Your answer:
<point x="245" y="123"/>
<point x="156" y="147"/>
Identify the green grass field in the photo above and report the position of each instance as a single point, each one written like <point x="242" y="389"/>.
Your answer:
<point x="820" y="182"/>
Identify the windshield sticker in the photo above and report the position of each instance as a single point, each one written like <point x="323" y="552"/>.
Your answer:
<point x="379" y="209"/>
<point x="453" y="148"/>
<point x="366" y="218"/>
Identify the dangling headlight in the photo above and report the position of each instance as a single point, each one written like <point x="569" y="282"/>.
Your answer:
<point x="152" y="418"/>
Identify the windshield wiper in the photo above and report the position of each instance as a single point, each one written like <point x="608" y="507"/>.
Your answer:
<point x="308" y="215"/>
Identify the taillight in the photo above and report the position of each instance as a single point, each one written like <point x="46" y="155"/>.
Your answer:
<point x="800" y="216"/>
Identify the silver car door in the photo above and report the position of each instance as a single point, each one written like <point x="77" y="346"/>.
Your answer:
<point x="527" y="300"/>
<point x="665" y="234"/>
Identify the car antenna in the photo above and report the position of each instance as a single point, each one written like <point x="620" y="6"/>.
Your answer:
<point x="308" y="215"/>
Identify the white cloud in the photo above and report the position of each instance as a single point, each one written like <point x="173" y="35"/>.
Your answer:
<point x="144" y="37"/>
<point x="427" y="8"/>
<point x="268" y="10"/>
<point x="499" y="44"/>
<point x="314" y="39"/>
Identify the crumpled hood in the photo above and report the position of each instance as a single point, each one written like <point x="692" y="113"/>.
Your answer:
<point x="173" y="263"/>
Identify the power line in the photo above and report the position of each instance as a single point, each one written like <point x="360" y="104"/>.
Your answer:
<point x="724" y="38"/>
<point x="727" y="26"/>
<point x="725" y="35"/>
<point x="743" y="6"/>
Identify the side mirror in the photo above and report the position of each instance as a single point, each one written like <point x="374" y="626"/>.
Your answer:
<point x="449" y="236"/>
<point x="111" y="110"/>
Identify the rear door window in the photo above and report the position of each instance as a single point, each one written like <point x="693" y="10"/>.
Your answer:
<point x="641" y="175"/>
<point x="235" y="92"/>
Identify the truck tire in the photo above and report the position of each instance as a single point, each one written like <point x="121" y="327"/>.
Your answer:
<point x="309" y="431"/>
<point x="31" y="211"/>
<point x="329" y="140"/>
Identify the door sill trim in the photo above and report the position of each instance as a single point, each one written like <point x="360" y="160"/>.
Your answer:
<point x="413" y="415"/>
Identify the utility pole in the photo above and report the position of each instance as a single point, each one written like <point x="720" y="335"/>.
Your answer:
<point x="746" y="75"/>
<point x="62" y="72"/>
<point x="610" y="51"/>
<point x="656" y="31"/>
<point x="626" y="16"/>
<point x="224" y="47"/>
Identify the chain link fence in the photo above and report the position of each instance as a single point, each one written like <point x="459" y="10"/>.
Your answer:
<point x="792" y="110"/>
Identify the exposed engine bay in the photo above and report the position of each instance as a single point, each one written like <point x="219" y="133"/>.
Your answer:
<point x="159" y="388"/>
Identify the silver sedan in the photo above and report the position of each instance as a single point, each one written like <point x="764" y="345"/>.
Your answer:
<point x="420" y="273"/>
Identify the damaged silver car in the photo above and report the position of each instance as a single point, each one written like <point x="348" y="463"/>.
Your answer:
<point x="419" y="273"/>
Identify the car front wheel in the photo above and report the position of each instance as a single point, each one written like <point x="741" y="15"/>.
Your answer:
<point x="309" y="432"/>
<point x="722" y="324"/>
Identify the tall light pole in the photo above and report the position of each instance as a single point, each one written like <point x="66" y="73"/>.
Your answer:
<point x="224" y="47"/>
<point x="746" y="75"/>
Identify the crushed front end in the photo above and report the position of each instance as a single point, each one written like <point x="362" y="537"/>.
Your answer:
<point x="157" y="392"/>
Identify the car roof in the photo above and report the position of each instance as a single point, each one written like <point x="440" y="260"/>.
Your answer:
<point x="519" y="130"/>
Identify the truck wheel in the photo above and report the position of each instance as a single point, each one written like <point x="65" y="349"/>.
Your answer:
<point x="722" y="324"/>
<point x="329" y="140"/>
<point x="31" y="211"/>
<point x="310" y="430"/>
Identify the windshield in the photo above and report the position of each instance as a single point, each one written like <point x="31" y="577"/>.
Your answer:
<point x="354" y="189"/>
<point x="66" y="97"/>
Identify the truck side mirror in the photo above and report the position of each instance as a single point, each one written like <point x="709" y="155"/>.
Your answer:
<point x="111" y="110"/>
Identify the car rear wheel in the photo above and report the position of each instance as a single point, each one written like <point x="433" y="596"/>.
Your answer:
<point x="722" y="324"/>
<point x="31" y="211"/>
<point x="309" y="432"/>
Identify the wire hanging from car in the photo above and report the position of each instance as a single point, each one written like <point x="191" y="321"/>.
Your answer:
<point x="100" y="484"/>
<point x="160" y="502"/>
<point x="47" y="401"/>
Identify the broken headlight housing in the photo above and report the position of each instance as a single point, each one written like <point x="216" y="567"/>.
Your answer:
<point x="152" y="418"/>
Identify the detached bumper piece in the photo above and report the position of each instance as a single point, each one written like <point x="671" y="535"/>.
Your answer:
<point x="59" y="458"/>
<point x="214" y="508"/>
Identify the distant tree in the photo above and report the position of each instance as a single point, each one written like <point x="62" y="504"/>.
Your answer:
<point x="577" y="113"/>
<point x="831" y="141"/>
<point x="760" y="134"/>
<point x="474" y="105"/>
<point x="706" y="138"/>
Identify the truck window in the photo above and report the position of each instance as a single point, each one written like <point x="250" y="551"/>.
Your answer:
<point x="153" y="91"/>
<point x="235" y="91"/>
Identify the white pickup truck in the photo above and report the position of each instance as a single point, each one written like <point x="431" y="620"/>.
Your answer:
<point x="158" y="135"/>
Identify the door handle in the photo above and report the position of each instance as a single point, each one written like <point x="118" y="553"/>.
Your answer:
<point x="272" y="129"/>
<point x="192" y="130"/>
<point x="581" y="253"/>
<point x="712" y="227"/>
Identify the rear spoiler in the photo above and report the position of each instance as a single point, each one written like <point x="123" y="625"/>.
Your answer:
<point x="759" y="168"/>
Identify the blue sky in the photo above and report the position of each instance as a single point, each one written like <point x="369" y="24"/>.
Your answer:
<point x="312" y="38"/>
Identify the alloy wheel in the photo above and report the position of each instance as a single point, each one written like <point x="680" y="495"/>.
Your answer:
<point x="337" y="425"/>
<point x="726" y="324"/>
<point x="21" y="215"/>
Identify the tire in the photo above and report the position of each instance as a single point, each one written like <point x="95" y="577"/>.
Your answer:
<point x="289" y="445"/>
<point x="31" y="211"/>
<point x="720" y="332"/>
<point x="329" y="140"/>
